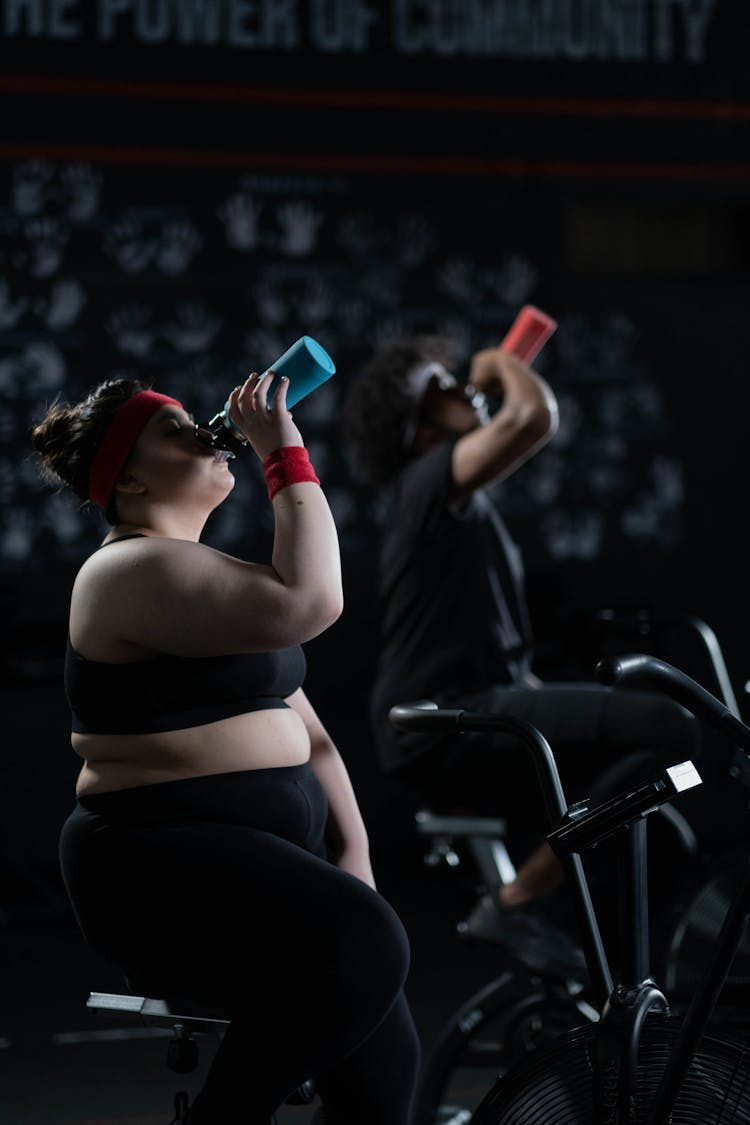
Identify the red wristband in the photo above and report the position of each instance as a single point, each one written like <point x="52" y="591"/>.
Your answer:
<point x="285" y="466"/>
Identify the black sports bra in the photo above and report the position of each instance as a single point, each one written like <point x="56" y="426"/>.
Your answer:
<point x="174" y="692"/>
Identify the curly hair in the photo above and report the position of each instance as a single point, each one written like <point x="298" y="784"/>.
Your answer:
<point x="69" y="435"/>
<point x="379" y="406"/>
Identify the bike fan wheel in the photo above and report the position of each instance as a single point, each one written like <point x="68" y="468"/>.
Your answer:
<point x="556" y="1085"/>
<point x="507" y="1020"/>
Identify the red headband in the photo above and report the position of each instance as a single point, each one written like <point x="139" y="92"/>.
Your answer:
<point x="119" y="440"/>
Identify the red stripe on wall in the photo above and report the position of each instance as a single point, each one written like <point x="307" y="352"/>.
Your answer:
<point x="375" y="165"/>
<point x="374" y="99"/>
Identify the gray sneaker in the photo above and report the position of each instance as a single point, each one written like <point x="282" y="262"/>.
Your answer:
<point x="529" y="933"/>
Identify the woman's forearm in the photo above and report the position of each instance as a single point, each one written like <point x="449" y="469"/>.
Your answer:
<point x="346" y="827"/>
<point x="345" y="819"/>
<point x="347" y="840"/>
<point x="305" y="555"/>
<point x="306" y="551"/>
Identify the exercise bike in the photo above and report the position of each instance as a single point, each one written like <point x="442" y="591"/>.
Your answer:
<point x="626" y="1049"/>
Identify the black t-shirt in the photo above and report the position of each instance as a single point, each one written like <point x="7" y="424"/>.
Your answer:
<point x="453" y="611"/>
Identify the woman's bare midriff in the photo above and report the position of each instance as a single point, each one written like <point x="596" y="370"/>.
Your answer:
<point x="256" y="740"/>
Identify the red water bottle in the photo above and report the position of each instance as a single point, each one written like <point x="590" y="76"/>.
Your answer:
<point x="528" y="333"/>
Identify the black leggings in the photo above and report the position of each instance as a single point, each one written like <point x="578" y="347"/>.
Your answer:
<point x="218" y="888"/>
<point x="601" y="739"/>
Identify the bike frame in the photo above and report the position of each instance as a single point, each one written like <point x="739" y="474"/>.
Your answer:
<point x="625" y="1006"/>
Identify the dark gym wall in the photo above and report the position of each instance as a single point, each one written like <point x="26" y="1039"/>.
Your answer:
<point x="187" y="186"/>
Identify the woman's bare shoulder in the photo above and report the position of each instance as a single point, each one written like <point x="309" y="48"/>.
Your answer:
<point x="133" y="562"/>
<point x="133" y="551"/>
<point x="156" y="592"/>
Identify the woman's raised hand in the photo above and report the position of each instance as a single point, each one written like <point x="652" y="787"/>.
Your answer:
<point x="267" y="428"/>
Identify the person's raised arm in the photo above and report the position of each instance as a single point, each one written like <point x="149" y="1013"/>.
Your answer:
<point x="525" y="421"/>
<point x="305" y="556"/>
<point x="185" y="598"/>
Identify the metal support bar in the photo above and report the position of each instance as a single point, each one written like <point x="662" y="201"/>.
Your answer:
<point x="160" y="1013"/>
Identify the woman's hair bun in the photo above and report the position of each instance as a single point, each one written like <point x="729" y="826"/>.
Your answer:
<point x="69" y="435"/>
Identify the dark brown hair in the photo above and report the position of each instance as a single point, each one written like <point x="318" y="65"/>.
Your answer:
<point x="380" y="404"/>
<point x="69" y="435"/>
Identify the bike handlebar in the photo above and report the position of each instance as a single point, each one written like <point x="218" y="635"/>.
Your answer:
<point x="423" y="715"/>
<point x="640" y="670"/>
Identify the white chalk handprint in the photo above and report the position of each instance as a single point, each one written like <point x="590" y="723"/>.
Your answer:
<point x="38" y="369"/>
<point x="64" y="306"/>
<point x="578" y="537"/>
<point x="357" y="236"/>
<point x="315" y="303"/>
<point x="545" y="479"/>
<point x="458" y="279"/>
<point x="241" y="215"/>
<point x="515" y="280"/>
<point x="129" y="246"/>
<point x="178" y="244"/>
<point x="132" y="330"/>
<point x="81" y="187"/>
<point x="193" y="329"/>
<point x="299" y="229"/>
<point x="652" y="516"/>
<point x="47" y="238"/>
<point x="30" y="187"/>
<point x="667" y="475"/>
<point x="270" y="306"/>
<point x="640" y="402"/>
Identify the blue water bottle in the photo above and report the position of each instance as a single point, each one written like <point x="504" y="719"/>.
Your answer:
<point x="306" y="365"/>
